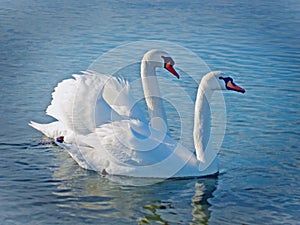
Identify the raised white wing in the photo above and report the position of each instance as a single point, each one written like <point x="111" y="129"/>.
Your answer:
<point x="90" y="100"/>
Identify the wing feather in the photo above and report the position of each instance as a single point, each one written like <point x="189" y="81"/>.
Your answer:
<point x="90" y="99"/>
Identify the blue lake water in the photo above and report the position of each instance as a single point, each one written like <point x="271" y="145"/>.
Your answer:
<point x="44" y="42"/>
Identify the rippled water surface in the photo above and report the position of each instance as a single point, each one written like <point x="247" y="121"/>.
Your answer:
<point x="257" y="42"/>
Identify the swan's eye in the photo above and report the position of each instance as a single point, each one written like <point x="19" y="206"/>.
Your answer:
<point x="168" y="60"/>
<point x="226" y="79"/>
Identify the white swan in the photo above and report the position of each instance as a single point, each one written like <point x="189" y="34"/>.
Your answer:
<point x="104" y="130"/>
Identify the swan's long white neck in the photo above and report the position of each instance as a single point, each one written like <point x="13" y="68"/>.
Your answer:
<point x="157" y="115"/>
<point x="202" y="120"/>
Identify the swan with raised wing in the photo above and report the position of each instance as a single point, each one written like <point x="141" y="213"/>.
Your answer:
<point x="103" y="129"/>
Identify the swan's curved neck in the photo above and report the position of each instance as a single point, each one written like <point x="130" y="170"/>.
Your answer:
<point x="154" y="102"/>
<point x="202" y="121"/>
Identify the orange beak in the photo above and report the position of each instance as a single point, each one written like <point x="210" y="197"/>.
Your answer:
<point x="170" y="68"/>
<point x="232" y="86"/>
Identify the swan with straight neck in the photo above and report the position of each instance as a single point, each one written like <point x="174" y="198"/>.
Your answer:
<point x="152" y="60"/>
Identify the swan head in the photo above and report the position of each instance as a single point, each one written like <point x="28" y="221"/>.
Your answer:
<point x="159" y="58"/>
<point x="217" y="80"/>
<point x="230" y="85"/>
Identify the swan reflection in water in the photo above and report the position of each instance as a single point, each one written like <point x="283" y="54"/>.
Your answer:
<point x="186" y="202"/>
<point x="87" y="196"/>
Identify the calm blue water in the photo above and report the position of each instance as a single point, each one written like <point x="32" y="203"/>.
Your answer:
<point x="43" y="42"/>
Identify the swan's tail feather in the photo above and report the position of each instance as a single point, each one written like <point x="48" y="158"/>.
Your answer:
<point x="51" y="130"/>
<point x="38" y="126"/>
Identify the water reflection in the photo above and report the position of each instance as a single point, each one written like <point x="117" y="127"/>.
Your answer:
<point x="189" y="203"/>
<point x="203" y="192"/>
<point x="89" y="196"/>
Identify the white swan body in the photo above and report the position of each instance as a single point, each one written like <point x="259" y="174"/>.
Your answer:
<point x="104" y="130"/>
